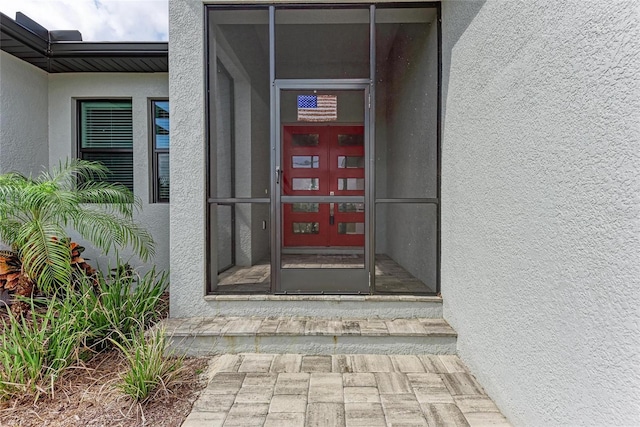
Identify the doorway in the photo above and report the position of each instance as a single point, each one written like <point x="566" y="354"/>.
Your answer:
<point x="294" y="207"/>
<point x="321" y="186"/>
<point x="323" y="160"/>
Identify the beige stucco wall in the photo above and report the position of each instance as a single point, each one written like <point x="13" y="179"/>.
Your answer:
<point x="64" y="91"/>
<point x="540" y="205"/>
<point x="23" y="116"/>
<point x="188" y="156"/>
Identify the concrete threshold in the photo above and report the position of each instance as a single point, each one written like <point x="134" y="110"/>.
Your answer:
<point x="310" y="335"/>
<point x="363" y="306"/>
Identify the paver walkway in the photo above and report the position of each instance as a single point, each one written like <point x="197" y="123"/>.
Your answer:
<point x="287" y="390"/>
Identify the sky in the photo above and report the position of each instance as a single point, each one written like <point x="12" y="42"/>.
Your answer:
<point x="98" y="20"/>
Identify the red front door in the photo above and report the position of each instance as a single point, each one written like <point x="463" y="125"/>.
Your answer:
<point x="323" y="161"/>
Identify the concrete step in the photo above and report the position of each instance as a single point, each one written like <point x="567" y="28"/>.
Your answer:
<point x="389" y="306"/>
<point x="199" y="336"/>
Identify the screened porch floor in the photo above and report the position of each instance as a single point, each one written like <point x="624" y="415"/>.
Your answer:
<point x="390" y="278"/>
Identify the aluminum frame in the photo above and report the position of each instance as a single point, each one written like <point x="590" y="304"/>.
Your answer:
<point x="154" y="195"/>
<point x="370" y="199"/>
<point x="328" y="280"/>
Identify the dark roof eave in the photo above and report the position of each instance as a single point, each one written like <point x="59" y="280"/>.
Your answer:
<point x="44" y="53"/>
<point x="109" y="49"/>
<point x="16" y="31"/>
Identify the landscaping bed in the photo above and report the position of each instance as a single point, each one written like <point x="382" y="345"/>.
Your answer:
<point x="87" y="393"/>
<point x="87" y="396"/>
<point x="77" y="344"/>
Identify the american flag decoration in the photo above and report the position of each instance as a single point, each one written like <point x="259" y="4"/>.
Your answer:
<point x="317" y="108"/>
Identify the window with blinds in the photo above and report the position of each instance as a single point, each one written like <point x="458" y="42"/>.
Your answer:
<point x="106" y="135"/>
<point x="160" y="149"/>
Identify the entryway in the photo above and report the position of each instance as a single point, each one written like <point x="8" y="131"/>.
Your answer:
<point x="323" y="149"/>
<point x="320" y="191"/>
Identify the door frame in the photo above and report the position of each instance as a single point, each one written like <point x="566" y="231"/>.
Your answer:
<point x="322" y="281"/>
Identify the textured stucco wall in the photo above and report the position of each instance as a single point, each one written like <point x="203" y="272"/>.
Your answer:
<point x="23" y="116"/>
<point x="541" y="205"/>
<point x="188" y="155"/>
<point x="64" y="90"/>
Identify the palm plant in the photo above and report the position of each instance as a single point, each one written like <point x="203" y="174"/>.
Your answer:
<point x="36" y="212"/>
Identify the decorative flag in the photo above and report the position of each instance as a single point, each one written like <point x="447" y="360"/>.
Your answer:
<point x="317" y="108"/>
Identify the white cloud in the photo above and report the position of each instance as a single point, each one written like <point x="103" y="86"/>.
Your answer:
<point x="98" y="20"/>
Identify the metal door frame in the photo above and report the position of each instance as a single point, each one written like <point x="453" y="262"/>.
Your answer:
<point x="316" y="280"/>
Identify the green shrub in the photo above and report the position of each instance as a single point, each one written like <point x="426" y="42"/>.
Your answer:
<point x="149" y="368"/>
<point x="35" y="350"/>
<point x="126" y="301"/>
<point x="22" y="356"/>
<point x="35" y="214"/>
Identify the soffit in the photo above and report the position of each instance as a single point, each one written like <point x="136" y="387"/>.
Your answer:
<point x="67" y="57"/>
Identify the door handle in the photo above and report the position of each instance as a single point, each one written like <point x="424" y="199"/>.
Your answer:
<point x="331" y="214"/>
<point x="278" y="173"/>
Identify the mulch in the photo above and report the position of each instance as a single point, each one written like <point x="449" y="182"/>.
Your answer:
<point x="86" y="395"/>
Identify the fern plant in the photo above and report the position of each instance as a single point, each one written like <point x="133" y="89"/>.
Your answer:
<point x="35" y="214"/>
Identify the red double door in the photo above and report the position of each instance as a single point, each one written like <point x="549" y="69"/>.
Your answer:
<point x="323" y="161"/>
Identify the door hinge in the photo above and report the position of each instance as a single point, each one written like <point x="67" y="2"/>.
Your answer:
<point x="369" y="101"/>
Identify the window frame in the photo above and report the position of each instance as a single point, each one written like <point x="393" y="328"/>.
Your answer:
<point x="80" y="150"/>
<point x="154" y="194"/>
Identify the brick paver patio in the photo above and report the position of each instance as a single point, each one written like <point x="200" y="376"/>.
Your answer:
<point x="287" y="390"/>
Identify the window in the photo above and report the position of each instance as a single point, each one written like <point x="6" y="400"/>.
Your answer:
<point x="105" y="135"/>
<point x="160" y="150"/>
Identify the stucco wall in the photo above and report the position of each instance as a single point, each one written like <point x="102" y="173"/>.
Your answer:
<point x="23" y="116"/>
<point x="64" y="90"/>
<point x="188" y="154"/>
<point x="541" y="205"/>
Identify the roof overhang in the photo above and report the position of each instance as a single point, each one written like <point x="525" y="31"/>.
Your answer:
<point x="79" y="56"/>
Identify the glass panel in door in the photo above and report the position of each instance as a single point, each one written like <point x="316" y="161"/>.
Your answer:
<point x="326" y="169"/>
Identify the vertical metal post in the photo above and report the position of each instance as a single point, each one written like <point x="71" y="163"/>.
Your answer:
<point x="208" y="281"/>
<point x="275" y="191"/>
<point x="439" y="149"/>
<point x="371" y="157"/>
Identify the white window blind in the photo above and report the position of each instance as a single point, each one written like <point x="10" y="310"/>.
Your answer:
<point x="106" y="135"/>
